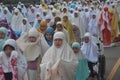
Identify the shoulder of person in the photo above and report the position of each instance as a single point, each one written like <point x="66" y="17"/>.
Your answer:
<point x="14" y="53"/>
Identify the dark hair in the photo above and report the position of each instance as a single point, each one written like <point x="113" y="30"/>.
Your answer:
<point x="9" y="46"/>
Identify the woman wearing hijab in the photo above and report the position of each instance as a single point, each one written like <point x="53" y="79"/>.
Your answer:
<point x="90" y="51"/>
<point x="3" y="36"/>
<point x="25" y="26"/>
<point x="34" y="46"/>
<point x="105" y="26"/>
<point x="7" y="15"/>
<point x="60" y="27"/>
<point x="77" y="33"/>
<point x="12" y="63"/>
<point x="68" y="26"/>
<point x="93" y="28"/>
<point x="49" y="35"/>
<point x="82" y="71"/>
<point x="59" y="62"/>
<point x="17" y="21"/>
<point x="43" y="26"/>
<point x="12" y="35"/>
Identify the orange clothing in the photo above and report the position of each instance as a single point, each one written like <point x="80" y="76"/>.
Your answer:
<point x="43" y="26"/>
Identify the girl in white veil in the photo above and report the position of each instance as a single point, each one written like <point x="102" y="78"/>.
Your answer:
<point x="59" y="62"/>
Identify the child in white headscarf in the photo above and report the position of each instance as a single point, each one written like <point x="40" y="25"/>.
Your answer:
<point x="12" y="62"/>
<point x="59" y="62"/>
<point x="34" y="46"/>
<point x="60" y="27"/>
<point x="25" y="26"/>
<point x="16" y="20"/>
<point x="90" y="50"/>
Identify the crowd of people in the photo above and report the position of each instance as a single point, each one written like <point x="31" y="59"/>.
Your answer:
<point x="56" y="42"/>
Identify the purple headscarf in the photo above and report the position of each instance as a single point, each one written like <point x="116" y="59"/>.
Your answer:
<point x="12" y="34"/>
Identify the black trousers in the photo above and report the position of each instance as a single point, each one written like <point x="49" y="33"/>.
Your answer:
<point x="8" y="76"/>
<point x="91" y="65"/>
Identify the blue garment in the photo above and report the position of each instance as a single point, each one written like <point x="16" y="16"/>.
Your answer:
<point x="50" y="31"/>
<point x="82" y="72"/>
<point x="18" y="33"/>
<point x="37" y="25"/>
<point x="2" y="41"/>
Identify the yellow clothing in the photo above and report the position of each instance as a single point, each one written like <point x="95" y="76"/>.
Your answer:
<point x="68" y="27"/>
<point x="114" y="25"/>
<point x="43" y="26"/>
<point x="44" y="6"/>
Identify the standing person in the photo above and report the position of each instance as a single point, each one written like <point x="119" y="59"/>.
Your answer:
<point x="7" y="15"/>
<point x="34" y="46"/>
<point x="90" y="51"/>
<point x="3" y="36"/>
<point x="31" y="15"/>
<point x="77" y="33"/>
<point x="82" y="71"/>
<point x="12" y="35"/>
<point x="60" y="27"/>
<point x="25" y="26"/>
<point x="49" y="35"/>
<point x="105" y="26"/>
<point x="43" y="26"/>
<point x="114" y="23"/>
<point x="68" y="26"/>
<point x="16" y="21"/>
<point x="59" y="62"/>
<point x="12" y="62"/>
<point x="93" y="28"/>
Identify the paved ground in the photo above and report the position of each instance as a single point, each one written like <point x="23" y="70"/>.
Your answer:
<point x="112" y="55"/>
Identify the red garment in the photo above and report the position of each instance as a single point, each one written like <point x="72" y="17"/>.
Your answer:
<point x="105" y="27"/>
<point x="14" y="66"/>
<point x="1" y="74"/>
<point x="14" y="69"/>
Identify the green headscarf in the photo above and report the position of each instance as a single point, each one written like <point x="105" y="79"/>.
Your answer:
<point x="2" y="41"/>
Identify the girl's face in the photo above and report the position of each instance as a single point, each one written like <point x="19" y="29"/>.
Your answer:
<point x="76" y="50"/>
<point x="32" y="39"/>
<point x="42" y="27"/>
<point x="2" y="35"/>
<point x="65" y="18"/>
<point x="3" y="25"/>
<point x="48" y="36"/>
<point x="24" y="22"/>
<point x="58" y="43"/>
<point x="59" y="27"/>
<point x="16" y="13"/>
<point x="8" y="49"/>
<point x="93" y="16"/>
<point x="86" y="39"/>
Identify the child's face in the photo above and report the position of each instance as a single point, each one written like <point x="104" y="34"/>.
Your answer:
<point x="76" y="50"/>
<point x="58" y="43"/>
<point x="24" y="22"/>
<point x="86" y="39"/>
<point x="48" y="36"/>
<point x="2" y="35"/>
<point x="8" y="50"/>
<point x="32" y="39"/>
<point x="59" y="27"/>
<point x="65" y="18"/>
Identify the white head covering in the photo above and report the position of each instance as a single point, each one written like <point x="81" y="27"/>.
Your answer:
<point x="67" y="37"/>
<point x="32" y="50"/>
<point x="10" y="42"/>
<point x="33" y="33"/>
<point x="64" y="52"/>
<point x="16" y="20"/>
<point x="90" y="49"/>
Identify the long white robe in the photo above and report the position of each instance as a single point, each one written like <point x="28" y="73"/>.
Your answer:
<point x="7" y="16"/>
<point x="58" y="63"/>
<point x="17" y="21"/>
